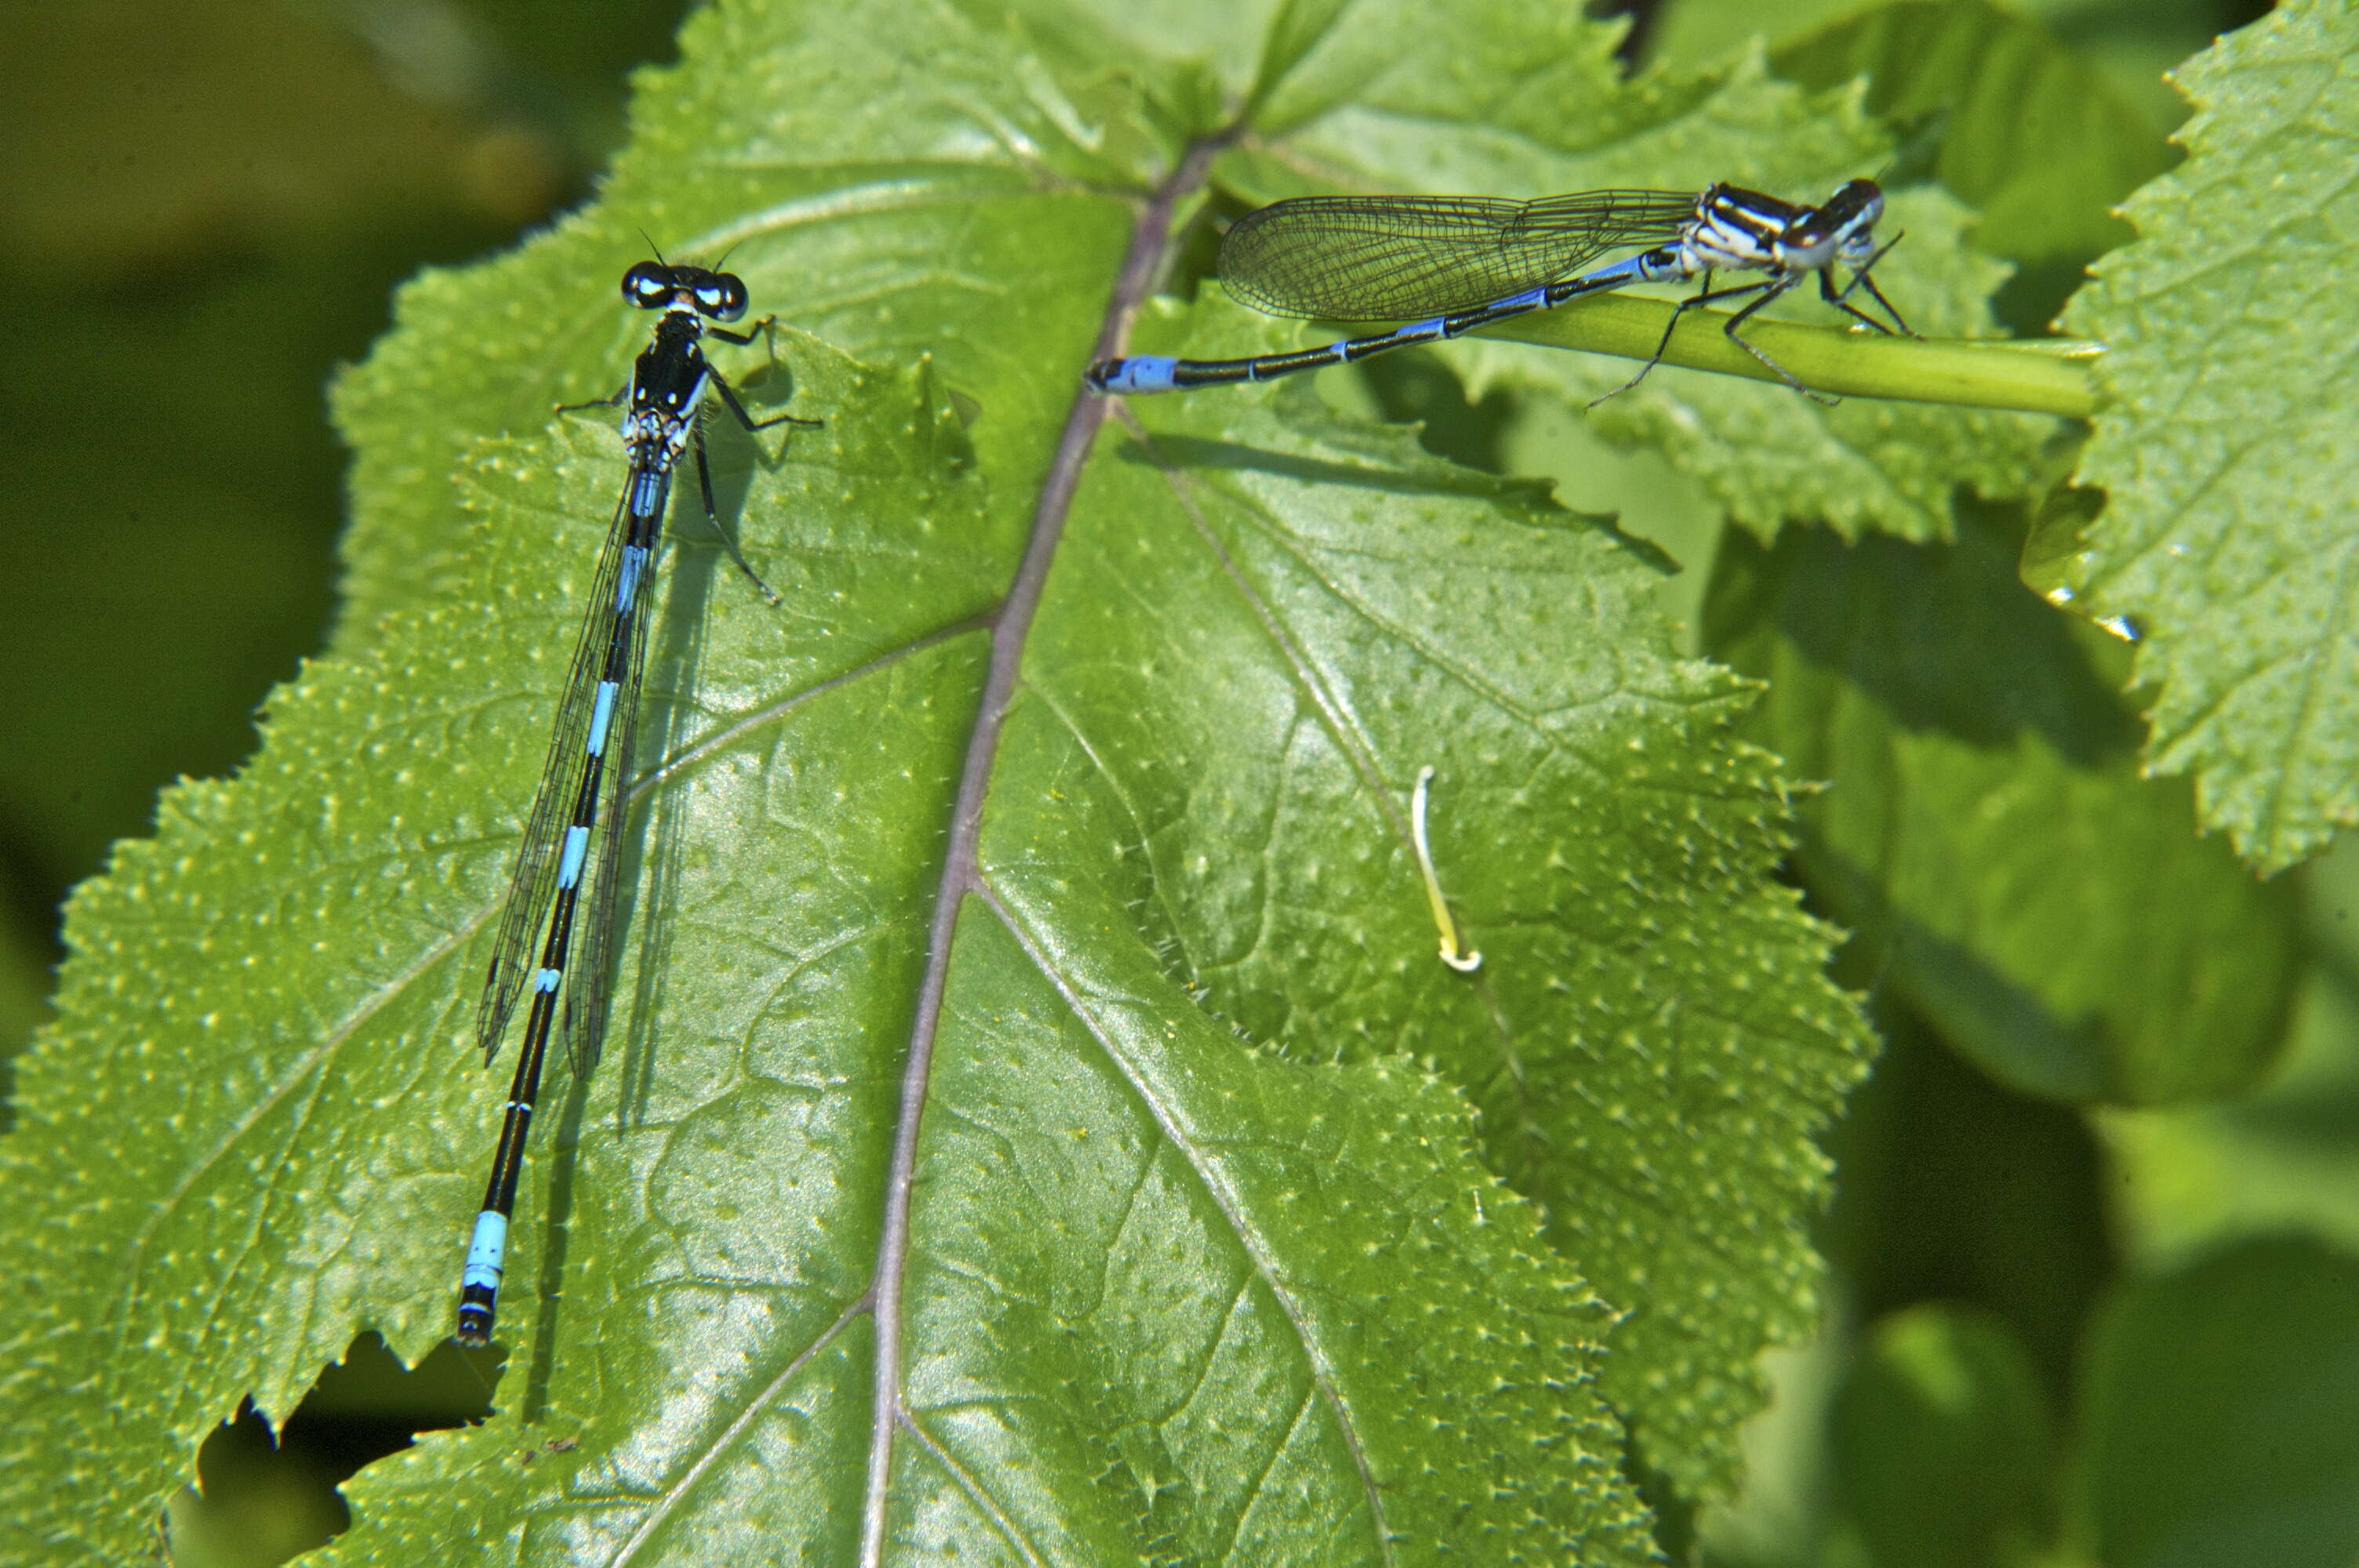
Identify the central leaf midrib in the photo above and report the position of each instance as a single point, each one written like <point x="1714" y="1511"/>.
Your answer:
<point x="961" y="875"/>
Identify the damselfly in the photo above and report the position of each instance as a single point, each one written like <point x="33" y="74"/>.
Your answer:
<point x="581" y="782"/>
<point x="1467" y="261"/>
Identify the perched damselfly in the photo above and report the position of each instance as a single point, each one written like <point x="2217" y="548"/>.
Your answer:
<point x="1464" y="262"/>
<point x="581" y="795"/>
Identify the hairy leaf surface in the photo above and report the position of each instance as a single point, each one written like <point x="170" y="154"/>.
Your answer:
<point x="1036" y="1127"/>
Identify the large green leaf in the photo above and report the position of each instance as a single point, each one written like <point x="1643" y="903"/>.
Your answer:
<point x="1036" y="1124"/>
<point x="2230" y="448"/>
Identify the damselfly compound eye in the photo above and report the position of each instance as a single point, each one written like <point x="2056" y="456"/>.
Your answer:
<point x="649" y="286"/>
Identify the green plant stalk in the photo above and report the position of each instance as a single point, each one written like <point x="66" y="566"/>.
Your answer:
<point x="2047" y="377"/>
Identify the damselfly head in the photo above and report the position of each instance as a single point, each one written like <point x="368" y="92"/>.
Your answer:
<point x="662" y="286"/>
<point x="1855" y="207"/>
<point x="1842" y="225"/>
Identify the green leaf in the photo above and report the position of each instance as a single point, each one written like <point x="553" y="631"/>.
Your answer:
<point x="1695" y="33"/>
<point x="2285" y="1158"/>
<point x="2229" y="440"/>
<point x="1943" y="1444"/>
<point x="1990" y="831"/>
<point x="1035" y="1123"/>
<point x="1574" y="1014"/>
<point x="2035" y="139"/>
<point x="1986" y="831"/>
<point x="2215" y="1416"/>
<point x="2131" y="44"/>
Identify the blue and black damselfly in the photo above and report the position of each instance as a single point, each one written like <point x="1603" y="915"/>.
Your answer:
<point x="1464" y="262"/>
<point x="581" y="795"/>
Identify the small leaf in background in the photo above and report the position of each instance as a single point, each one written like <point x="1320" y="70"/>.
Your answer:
<point x="2229" y="449"/>
<point x="1689" y="35"/>
<point x="2216" y="1415"/>
<point x="1943" y="1446"/>
<point x="2132" y="42"/>
<point x="2284" y="1157"/>
<point x="2056" y="556"/>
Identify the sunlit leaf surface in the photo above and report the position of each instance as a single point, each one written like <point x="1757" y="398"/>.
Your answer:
<point x="1037" y="1127"/>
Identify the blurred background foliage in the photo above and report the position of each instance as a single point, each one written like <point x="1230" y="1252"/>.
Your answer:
<point x="2059" y="1333"/>
<point x="204" y="211"/>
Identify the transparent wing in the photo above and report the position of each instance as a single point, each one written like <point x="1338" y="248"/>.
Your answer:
<point x="1392" y="258"/>
<point x="590" y="979"/>
<point x="533" y="887"/>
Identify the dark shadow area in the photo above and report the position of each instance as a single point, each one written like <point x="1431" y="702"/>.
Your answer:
<point x="562" y="1165"/>
<point x="1953" y="1189"/>
<point x="650" y="835"/>
<point x="1169" y="451"/>
<point x="2028" y="302"/>
<point x="1414" y="386"/>
<point x="1674" y="1510"/>
<point x="1165" y="451"/>
<point x="1632" y="50"/>
<point x="648" y="845"/>
<point x="1937" y="633"/>
<point x="765" y="381"/>
<point x="262" y="1498"/>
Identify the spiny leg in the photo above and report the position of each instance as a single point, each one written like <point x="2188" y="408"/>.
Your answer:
<point x="713" y="515"/>
<point x="1771" y="291"/>
<point x="1705" y="298"/>
<point x="612" y="400"/>
<point x="1860" y="279"/>
<point x="745" y="337"/>
<point x="729" y="394"/>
